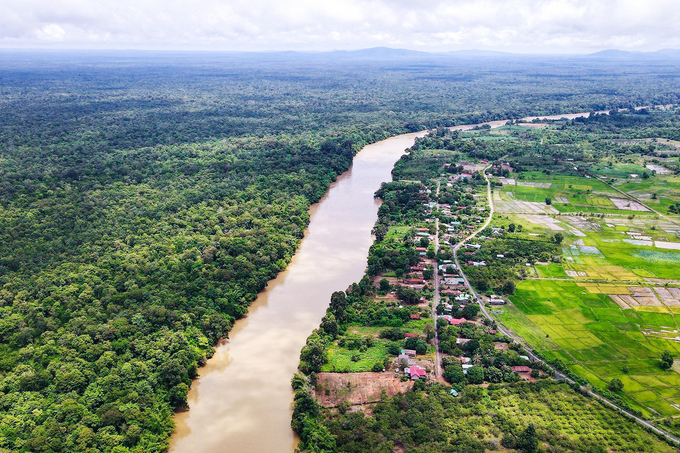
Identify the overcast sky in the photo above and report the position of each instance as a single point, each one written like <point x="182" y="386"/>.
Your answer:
<point x="534" y="26"/>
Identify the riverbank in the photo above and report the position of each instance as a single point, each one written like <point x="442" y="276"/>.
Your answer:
<point x="244" y="389"/>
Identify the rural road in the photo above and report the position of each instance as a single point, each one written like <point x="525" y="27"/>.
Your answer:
<point x="438" y="359"/>
<point x="530" y="352"/>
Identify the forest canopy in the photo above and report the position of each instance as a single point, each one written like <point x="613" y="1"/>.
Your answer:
<point x="146" y="199"/>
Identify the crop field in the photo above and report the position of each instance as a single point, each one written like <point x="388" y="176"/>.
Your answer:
<point x="611" y="306"/>
<point x="597" y="338"/>
<point x="567" y="193"/>
<point x="666" y="188"/>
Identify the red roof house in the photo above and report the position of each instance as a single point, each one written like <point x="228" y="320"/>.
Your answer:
<point x="521" y="369"/>
<point x="417" y="373"/>
<point x="456" y="321"/>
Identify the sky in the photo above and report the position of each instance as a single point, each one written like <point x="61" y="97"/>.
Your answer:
<point x="522" y="26"/>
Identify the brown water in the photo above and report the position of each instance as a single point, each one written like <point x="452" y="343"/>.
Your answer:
<point x="242" y="400"/>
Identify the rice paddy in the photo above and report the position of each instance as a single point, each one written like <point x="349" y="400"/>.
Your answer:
<point x="610" y="307"/>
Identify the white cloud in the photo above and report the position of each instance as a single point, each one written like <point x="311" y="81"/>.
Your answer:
<point x="508" y="25"/>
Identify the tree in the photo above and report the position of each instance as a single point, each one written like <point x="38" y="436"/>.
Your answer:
<point x="548" y="201"/>
<point x="417" y="344"/>
<point x="313" y="355"/>
<point x="508" y="287"/>
<point x="615" y="385"/>
<point x="528" y="441"/>
<point x="475" y="375"/>
<point x="667" y="360"/>
<point x="329" y="325"/>
<point x="493" y="374"/>
<point x="338" y="305"/>
<point x="454" y="374"/>
<point x="511" y="228"/>
<point x="385" y="285"/>
<point x="558" y="238"/>
<point x="470" y="311"/>
<point x="380" y="231"/>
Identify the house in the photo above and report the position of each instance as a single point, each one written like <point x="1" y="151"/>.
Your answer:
<point x="405" y="359"/>
<point x="456" y="321"/>
<point x="410" y="335"/>
<point x="496" y="300"/>
<point x="463" y="298"/>
<point x="409" y="352"/>
<point x="421" y="249"/>
<point x="466" y="367"/>
<point x="421" y="229"/>
<point x="473" y="246"/>
<point x="525" y="357"/>
<point x="521" y="369"/>
<point x="453" y="392"/>
<point x="462" y="340"/>
<point x="415" y="316"/>
<point x="500" y="256"/>
<point x="465" y="359"/>
<point x="415" y="372"/>
<point x="414" y="281"/>
<point x="417" y="268"/>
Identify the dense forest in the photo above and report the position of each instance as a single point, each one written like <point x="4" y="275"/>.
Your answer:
<point x="145" y="199"/>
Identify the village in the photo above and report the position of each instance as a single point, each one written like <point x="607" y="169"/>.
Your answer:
<point x="430" y="328"/>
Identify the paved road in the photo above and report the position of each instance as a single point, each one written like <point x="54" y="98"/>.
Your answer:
<point x="530" y="352"/>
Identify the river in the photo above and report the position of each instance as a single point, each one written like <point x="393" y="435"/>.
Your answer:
<point x="242" y="400"/>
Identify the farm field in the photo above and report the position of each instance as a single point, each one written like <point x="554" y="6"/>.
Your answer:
<point x="583" y="326"/>
<point x="566" y="193"/>
<point x="608" y="308"/>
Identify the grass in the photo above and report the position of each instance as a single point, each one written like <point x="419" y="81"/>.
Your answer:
<point x="340" y="359"/>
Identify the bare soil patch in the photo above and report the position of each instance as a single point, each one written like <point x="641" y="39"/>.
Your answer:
<point x="357" y="388"/>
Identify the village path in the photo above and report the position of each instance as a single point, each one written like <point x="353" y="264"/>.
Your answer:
<point x="529" y="350"/>
<point x="438" y="359"/>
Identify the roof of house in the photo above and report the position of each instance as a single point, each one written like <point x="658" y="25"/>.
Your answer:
<point x="417" y="371"/>
<point x="415" y="316"/>
<point x="456" y="321"/>
<point x="521" y="369"/>
<point x="410" y="335"/>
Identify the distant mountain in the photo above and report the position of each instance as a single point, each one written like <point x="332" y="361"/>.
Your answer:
<point x="617" y="54"/>
<point x="381" y="53"/>
<point x="479" y="53"/>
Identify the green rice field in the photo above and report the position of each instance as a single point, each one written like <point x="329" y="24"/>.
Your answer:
<point x="597" y="339"/>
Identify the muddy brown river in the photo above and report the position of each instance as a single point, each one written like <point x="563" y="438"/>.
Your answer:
<point x="242" y="401"/>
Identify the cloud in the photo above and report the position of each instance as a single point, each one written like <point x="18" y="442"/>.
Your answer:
<point x="440" y="25"/>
